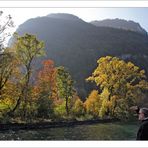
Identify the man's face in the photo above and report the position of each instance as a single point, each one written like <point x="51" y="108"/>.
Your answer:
<point x="141" y="115"/>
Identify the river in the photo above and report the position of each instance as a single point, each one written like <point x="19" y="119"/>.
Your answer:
<point x="99" y="131"/>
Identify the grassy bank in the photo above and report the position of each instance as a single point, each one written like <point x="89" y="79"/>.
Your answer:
<point x="96" y="131"/>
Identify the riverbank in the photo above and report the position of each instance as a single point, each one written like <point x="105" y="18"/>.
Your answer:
<point x="97" y="131"/>
<point x="43" y="125"/>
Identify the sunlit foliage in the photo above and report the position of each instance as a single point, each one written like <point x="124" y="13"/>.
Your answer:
<point x="121" y="83"/>
<point x="93" y="103"/>
<point x="26" y="48"/>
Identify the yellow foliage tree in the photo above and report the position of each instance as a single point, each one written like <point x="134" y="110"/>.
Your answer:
<point x="93" y="103"/>
<point x="78" y="107"/>
<point x="121" y="84"/>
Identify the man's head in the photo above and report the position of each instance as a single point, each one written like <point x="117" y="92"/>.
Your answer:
<point x="143" y="113"/>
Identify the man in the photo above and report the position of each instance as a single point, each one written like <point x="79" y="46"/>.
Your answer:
<point x="143" y="129"/>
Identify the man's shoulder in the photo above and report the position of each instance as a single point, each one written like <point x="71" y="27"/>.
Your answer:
<point x="145" y="123"/>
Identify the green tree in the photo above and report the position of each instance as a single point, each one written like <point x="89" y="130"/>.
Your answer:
<point x="27" y="48"/>
<point x="59" y="109"/>
<point x="44" y="106"/>
<point x="122" y="85"/>
<point x="65" y="86"/>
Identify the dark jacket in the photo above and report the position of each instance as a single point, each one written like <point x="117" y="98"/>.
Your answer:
<point x="143" y="131"/>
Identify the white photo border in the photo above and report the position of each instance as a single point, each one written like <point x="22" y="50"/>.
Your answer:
<point x="73" y="4"/>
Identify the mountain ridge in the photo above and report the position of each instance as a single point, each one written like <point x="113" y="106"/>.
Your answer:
<point x="120" y="24"/>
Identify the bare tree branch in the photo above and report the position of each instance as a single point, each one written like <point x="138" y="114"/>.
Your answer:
<point x="5" y="24"/>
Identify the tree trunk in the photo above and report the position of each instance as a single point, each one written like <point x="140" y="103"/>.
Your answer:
<point x="11" y="112"/>
<point x="67" y="109"/>
<point x="28" y="68"/>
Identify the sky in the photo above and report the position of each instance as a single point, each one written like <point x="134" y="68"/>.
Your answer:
<point x="139" y="15"/>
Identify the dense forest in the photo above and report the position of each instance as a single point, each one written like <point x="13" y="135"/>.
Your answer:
<point x="31" y="94"/>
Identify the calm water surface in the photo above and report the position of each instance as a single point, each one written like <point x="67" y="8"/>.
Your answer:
<point x="106" y="131"/>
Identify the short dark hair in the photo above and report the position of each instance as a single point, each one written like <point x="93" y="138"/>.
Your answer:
<point x="145" y="111"/>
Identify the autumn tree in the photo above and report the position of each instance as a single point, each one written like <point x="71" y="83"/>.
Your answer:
<point x="65" y="86"/>
<point x="93" y="104"/>
<point x="122" y="85"/>
<point x="8" y="80"/>
<point x="47" y="78"/>
<point x="59" y="109"/>
<point x="45" y="90"/>
<point x="6" y="68"/>
<point x="6" y="59"/>
<point x="27" y="48"/>
<point x="78" y="107"/>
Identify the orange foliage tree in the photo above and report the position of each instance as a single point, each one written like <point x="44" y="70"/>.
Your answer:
<point x="45" y="89"/>
<point x="47" y="79"/>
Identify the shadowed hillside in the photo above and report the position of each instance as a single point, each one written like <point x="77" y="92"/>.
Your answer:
<point x="77" y="45"/>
